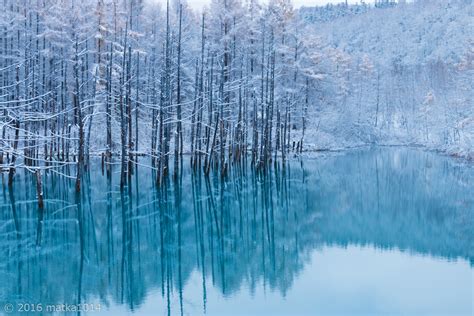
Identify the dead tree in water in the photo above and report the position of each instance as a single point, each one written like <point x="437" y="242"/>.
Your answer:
<point x="178" y="152"/>
<point x="123" y="127"/>
<point x="165" y="105"/>
<point x="108" y="113"/>
<point x="11" y="173"/>
<point x="80" y="122"/>
<point x="129" y="112"/>
<point x="137" y="101"/>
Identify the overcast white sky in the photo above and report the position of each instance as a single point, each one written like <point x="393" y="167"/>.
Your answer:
<point x="197" y="4"/>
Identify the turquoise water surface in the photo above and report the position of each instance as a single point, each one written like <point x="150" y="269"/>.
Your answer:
<point x="367" y="232"/>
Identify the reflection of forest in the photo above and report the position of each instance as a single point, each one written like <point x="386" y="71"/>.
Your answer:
<point x="117" y="245"/>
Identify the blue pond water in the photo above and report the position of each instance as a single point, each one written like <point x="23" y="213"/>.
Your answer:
<point x="366" y="232"/>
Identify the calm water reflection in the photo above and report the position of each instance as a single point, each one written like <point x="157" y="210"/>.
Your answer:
<point x="367" y="232"/>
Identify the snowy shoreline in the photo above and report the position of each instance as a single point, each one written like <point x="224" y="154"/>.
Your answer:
<point x="451" y="153"/>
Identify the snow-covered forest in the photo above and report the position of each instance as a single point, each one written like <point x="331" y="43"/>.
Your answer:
<point x="127" y="78"/>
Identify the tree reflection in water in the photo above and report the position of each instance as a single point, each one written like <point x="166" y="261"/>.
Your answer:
<point x="248" y="231"/>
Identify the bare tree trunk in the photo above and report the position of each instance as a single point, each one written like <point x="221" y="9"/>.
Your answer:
<point x="129" y="113"/>
<point x="123" y="126"/>
<point x="109" y="112"/>
<point x="179" y="133"/>
<point x="14" y="152"/>
<point x="78" y="109"/>
<point x="137" y="101"/>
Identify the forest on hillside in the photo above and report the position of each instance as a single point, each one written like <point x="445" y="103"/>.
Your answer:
<point x="241" y="81"/>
